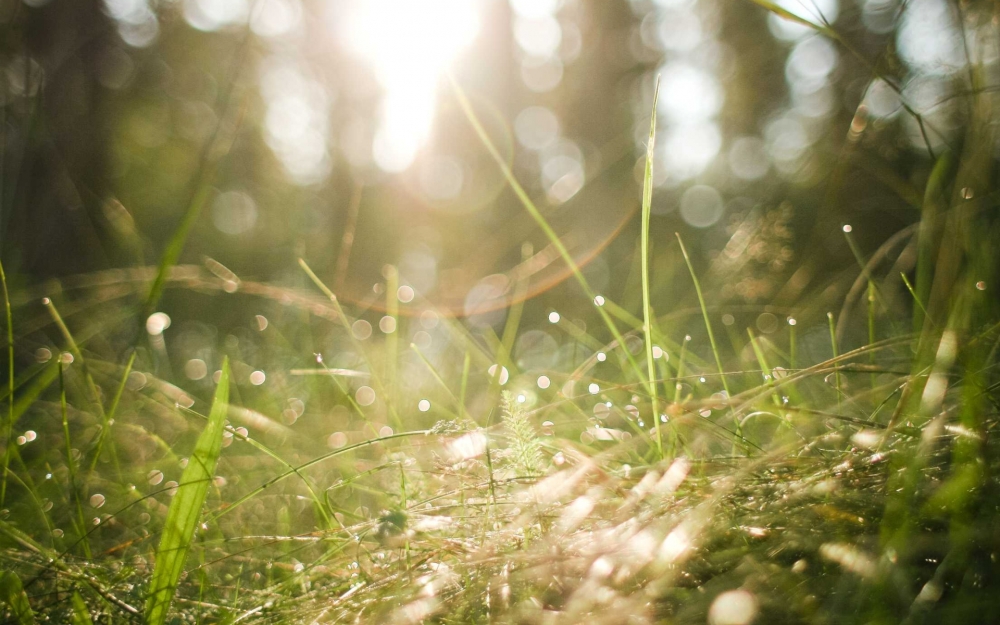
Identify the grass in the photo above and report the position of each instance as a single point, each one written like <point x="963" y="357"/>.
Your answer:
<point x="809" y="475"/>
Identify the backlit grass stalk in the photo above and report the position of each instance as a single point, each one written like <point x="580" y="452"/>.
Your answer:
<point x="535" y="214"/>
<point x="647" y="307"/>
<point x="81" y="525"/>
<point x="185" y="510"/>
<point x="106" y="431"/>
<point x="376" y="379"/>
<point x="708" y="327"/>
<point x="833" y="345"/>
<point x="10" y="386"/>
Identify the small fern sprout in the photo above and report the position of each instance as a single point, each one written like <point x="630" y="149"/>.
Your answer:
<point x="526" y="453"/>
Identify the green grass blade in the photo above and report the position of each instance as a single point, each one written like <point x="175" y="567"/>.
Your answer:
<point x="81" y="615"/>
<point x="74" y="486"/>
<point x="833" y="346"/>
<point x="928" y="235"/>
<point x="708" y="324"/>
<point x="537" y="216"/>
<point x="185" y="510"/>
<point x="647" y="309"/>
<point x="13" y="595"/>
<point x="10" y="384"/>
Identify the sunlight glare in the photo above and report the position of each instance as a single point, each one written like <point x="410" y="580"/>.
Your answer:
<point x="408" y="45"/>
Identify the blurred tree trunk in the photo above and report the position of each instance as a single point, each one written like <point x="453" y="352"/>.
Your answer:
<point x="55" y="137"/>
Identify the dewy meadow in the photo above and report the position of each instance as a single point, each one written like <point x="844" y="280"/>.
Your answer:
<point x="477" y="311"/>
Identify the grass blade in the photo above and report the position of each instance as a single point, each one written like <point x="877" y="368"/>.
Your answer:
<point x="13" y="595"/>
<point x="708" y="324"/>
<point x="10" y="384"/>
<point x="185" y="510"/>
<point x="536" y="215"/>
<point x="81" y="615"/>
<point x="647" y="311"/>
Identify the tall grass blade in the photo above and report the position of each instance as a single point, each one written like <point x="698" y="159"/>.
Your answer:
<point x="833" y="346"/>
<point x="708" y="324"/>
<point x="10" y="385"/>
<point x="647" y="310"/>
<point x="928" y="235"/>
<point x="81" y="526"/>
<point x="185" y="510"/>
<point x="536" y="214"/>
